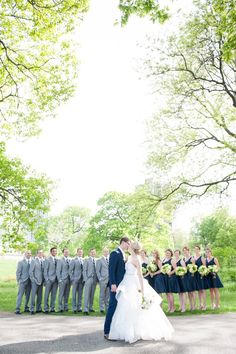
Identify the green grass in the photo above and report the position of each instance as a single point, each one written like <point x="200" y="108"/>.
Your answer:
<point x="8" y="269"/>
<point x="8" y="293"/>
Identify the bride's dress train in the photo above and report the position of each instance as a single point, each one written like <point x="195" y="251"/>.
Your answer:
<point x="130" y="322"/>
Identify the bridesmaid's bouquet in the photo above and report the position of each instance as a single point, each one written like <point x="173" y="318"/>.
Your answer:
<point x="144" y="270"/>
<point x="213" y="269"/>
<point x="180" y="271"/>
<point x="203" y="271"/>
<point x="166" y="269"/>
<point x="152" y="268"/>
<point x="192" y="268"/>
<point x="146" y="303"/>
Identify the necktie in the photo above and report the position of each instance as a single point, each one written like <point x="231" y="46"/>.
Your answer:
<point x="107" y="260"/>
<point x="81" y="264"/>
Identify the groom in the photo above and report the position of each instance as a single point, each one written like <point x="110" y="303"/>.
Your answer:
<point x="116" y="274"/>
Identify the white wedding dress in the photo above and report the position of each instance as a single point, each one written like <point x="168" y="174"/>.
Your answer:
<point x="130" y="321"/>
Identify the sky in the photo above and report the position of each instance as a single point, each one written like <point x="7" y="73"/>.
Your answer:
<point x="96" y="143"/>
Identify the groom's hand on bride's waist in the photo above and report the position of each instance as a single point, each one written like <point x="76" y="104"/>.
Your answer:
<point x="113" y="288"/>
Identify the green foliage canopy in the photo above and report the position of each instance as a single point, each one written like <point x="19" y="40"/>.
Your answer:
<point x="24" y="200"/>
<point x="225" y="12"/>
<point x="142" y="8"/>
<point x="38" y="65"/>
<point x="192" y="137"/>
<point x="217" y="230"/>
<point x="69" y="228"/>
<point x="130" y="214"/>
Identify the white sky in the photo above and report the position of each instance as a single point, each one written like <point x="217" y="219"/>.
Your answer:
<point x="95" y="145"/>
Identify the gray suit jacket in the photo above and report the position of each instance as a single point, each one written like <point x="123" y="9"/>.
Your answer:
<point x="62" y="269"/>
<point x="75" y="269"/>
<point x="89" y="271"/>
<point x="50" y="269"/>
<point x="36" y="271"/>
<point x="102" y="270"/>
<point x="22" y="271"/>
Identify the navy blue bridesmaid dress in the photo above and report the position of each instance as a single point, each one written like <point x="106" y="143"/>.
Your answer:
<point x="170" y="281"/>
<point x="181" y="280"/>
<point x="191" y="283"/>
<point x="159" y="283"/>
<point x="213" y="278"/>
<point x="148" y="277"/>
<point x="144" y="265"/>
<point x="201" y="281"/>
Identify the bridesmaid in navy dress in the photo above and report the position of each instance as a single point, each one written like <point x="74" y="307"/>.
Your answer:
<point x="149" y="276"/>
<point x="152" y="276"/>
<point x="159" y="284"/>
<point x="202" y="283"/>
<point x="190" y="279"/>
<point x="213" y="280"/>
<point x="182" y="281"/>
<point x="144" y="262"/>
<point x="170" y="280"/>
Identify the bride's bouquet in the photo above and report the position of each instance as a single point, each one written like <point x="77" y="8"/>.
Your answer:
<point x="146" y="303"/>
<point x="192" y="268"/>
<point x="166" y="269"/>
<point x="203" y="271"/>
<point x="152" y="268"/>
<point x="180" y="271"/>
<point x="213" y="269"/>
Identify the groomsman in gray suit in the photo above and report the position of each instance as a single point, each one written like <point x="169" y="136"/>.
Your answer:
<point x="24" y="283"/>
<point x="103" y="278"/>
<point x="90" y="281"/>
<point x="50" y="280"/>
<point x="36" y="277"/>
<point x="63" y="277"/>
<point x="76" y="277"/>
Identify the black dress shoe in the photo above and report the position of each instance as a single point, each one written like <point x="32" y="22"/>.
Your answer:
<point x="86" y="313"/>
<point x="74" y="311"/>
<point x="46" y="311"/>
<point x="27" y="310"/>
<point x="106" y="336"/>
<point x="52" y="311"/>
<point x="60" y="311"/>
<point x="79" y="310"/>
<point x="102" y="311"/>
<point x="32" y="312"/>
<point x="39" y="311"/>
<point x="66" y="310"/>
<point x="17" y="312"/>
<point x="91" y="310"/>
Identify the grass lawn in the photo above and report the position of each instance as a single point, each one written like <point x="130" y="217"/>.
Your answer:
<point x="8" y="293"/>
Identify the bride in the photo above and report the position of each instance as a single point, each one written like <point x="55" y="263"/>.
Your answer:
<point x="138" y="314"/>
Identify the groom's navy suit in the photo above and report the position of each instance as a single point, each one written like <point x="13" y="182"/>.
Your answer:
<point x="116" y="274"/>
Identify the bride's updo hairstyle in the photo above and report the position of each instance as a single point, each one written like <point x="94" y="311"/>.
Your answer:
<point x="136" y="247"/>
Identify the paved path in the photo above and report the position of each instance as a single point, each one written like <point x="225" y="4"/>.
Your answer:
<point x="203" y="334"/>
